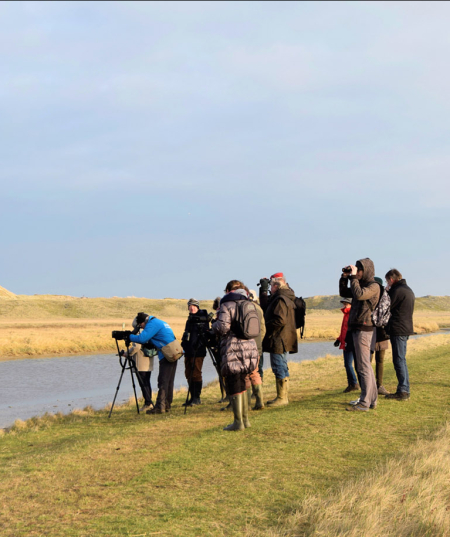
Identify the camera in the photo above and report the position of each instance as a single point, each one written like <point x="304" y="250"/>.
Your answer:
<point x="347" y="270"/>
<point x="121" y="334"/>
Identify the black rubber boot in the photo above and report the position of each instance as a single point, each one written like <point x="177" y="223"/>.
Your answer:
<point x="197" y="391"/>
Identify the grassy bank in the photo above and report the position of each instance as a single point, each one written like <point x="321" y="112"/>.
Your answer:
<point x="85" y="475"/>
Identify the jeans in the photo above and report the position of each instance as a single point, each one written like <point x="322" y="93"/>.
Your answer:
<point x="279" y="365"/>
<point x="348" y="364"/>
<point x="399" y="359"/>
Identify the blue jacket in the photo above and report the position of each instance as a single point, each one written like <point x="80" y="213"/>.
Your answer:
<point x="157" y="332"/>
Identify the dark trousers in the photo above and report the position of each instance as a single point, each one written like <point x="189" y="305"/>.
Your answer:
<point x="261" y="365"/>
<point x="235" y="383"/>
<point x="194" y="375"/>
<point x="166" y="378"/>
<point x="146" y="388"/>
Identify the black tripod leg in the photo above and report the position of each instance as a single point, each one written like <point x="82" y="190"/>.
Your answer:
<point x="133" y="365"/>
<point x="189" y="385"/>
<point x="120" y="380"/>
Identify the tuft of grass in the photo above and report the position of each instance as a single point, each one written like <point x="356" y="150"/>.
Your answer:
<point x="407" y="495"/>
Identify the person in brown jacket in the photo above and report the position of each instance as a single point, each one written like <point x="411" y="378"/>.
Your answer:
<point x="239" y="357"/>
<point x="365" y="293"/>
<point x="281" y="331"/>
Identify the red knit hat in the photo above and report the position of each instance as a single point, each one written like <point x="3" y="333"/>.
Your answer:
<point x="277" y="275"/>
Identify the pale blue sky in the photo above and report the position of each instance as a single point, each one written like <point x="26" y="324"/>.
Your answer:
<point x="162" y="149"/>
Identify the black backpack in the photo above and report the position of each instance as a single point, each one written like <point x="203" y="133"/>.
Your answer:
<point x="300" y="312"/>
<point x="246" y="324"/>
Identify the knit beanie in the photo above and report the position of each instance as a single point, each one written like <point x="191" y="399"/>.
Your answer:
<point x="193" y="302"/>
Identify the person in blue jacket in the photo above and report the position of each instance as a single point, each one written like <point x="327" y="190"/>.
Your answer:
<point x="159" y="334"/>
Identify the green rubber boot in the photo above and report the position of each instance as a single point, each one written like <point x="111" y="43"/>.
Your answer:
<point x="258" y="393"/>
<point x="282" y="393"/>
<point x="249" y="398"/>
<point x="237" y="406"/>
<point x="246" y="407"/>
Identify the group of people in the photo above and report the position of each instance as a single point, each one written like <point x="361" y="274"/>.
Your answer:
<point x="271" y="328"/>
<point x="360" y="338"/>
<point x="241" y="356"/>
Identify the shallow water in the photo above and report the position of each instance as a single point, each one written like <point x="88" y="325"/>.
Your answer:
<point x="33" y="387"/>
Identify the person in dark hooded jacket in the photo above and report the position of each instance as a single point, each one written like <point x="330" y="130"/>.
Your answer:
<point x="365" y="293"/>
<point x="281" y="331"/>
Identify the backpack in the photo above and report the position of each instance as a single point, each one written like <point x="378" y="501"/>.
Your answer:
<point x="382" y="313"/>
<point x="246" y="323"/>
<point x="300" y="312"/>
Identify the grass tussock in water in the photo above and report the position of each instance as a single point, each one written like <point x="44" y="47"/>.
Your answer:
<point x="176" y="474"/>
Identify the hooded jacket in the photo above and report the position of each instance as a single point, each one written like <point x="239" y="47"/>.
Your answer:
<point x="239" y="356"/>
<point x="279" y="314"/>
<point x="402" y="309"/>
<point x="365" y="294"/>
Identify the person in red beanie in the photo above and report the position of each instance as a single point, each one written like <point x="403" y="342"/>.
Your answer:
<point x="281" y="330"/>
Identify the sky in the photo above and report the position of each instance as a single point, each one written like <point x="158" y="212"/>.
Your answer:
<point x="161" y="149"/>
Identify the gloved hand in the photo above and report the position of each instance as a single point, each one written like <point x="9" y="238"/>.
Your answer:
<point x="264" y="283"/>
<point x="337" y="343"/>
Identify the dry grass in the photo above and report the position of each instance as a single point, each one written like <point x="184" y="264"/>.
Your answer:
<point x="35" y="338"/>
<point x="48" y="325"/>
<point x="406" y="496"/>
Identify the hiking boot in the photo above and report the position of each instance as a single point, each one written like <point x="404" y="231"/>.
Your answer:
<point x="154" y="410"/>
<point x="146" y="407"/>
<point x="258" y="393"/>
<point x="282" y="393"/>
<point x="351" y="388"/>
<point x="357" y="407"/>
<point x="355" y="402"/>
<point x="399" y="396"/>
<point x="382" y="391"/>
<point x="237" y="405"/>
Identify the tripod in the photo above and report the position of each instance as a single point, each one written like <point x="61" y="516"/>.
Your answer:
<point x="130" y="364"/>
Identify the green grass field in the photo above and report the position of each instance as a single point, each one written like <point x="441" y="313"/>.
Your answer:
<point x="182" y="475"/>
